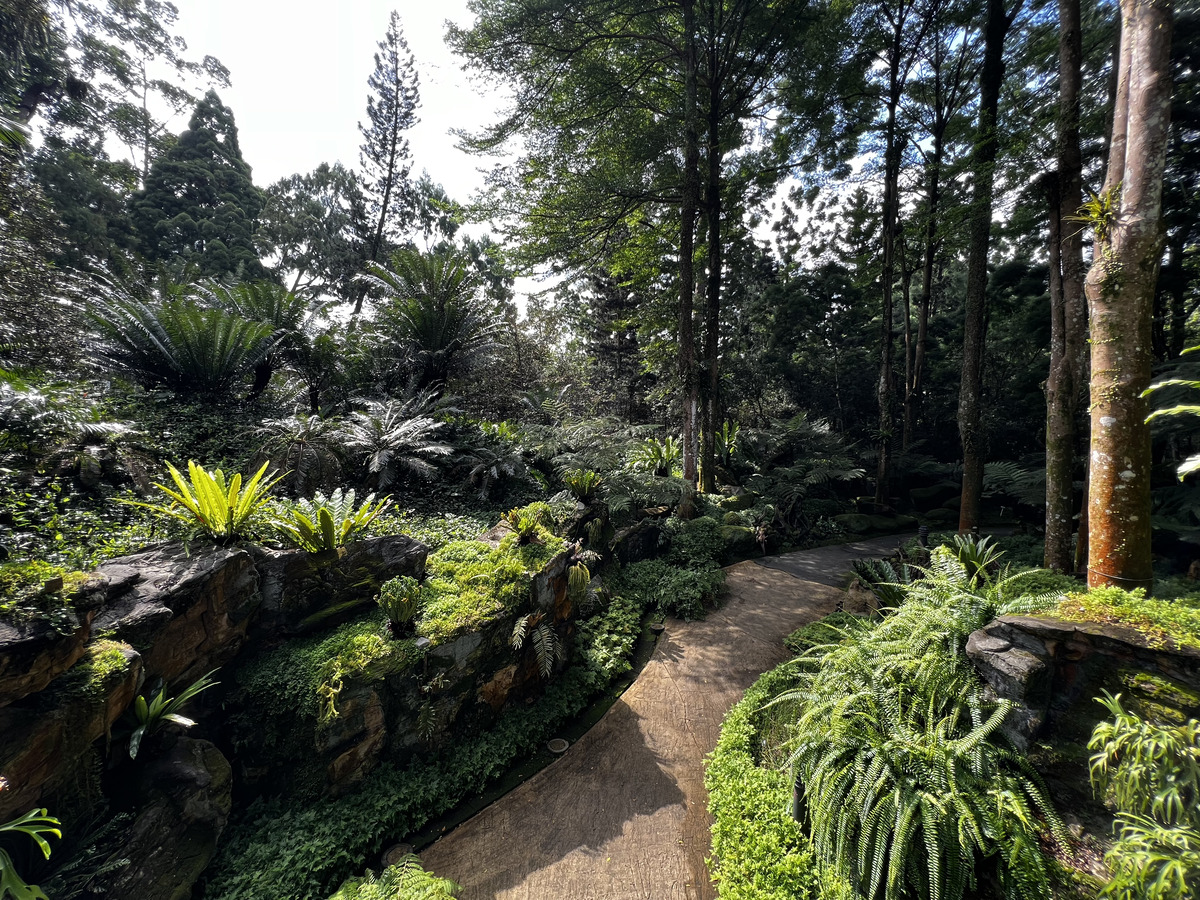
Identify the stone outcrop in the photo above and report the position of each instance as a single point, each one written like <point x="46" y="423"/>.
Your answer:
<point x="46" y="740"/>
<point x="304" y="591"/>
<point x="34" y="654"/>
<point x="188" y="611"/>
<point x="1053" y="669"/>
<point x="183" y="796"/>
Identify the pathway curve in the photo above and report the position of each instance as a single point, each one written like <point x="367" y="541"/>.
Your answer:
<point x="623" y="813"/>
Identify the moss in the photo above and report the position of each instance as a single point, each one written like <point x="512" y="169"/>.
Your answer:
<point x="103" y="663"/>
<point x="1162" y="622"/>
<point x="469" y="583"/>
<point x="1158" y="699"/>
<point x="37" y="590"/>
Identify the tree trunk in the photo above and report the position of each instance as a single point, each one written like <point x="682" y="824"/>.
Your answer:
<point x="1120" y="289"/>
<point x="712" y="309"/>
<point x="1068" y="312"/>
<point x="970" y="425"/>
<point x="690" y="203"/>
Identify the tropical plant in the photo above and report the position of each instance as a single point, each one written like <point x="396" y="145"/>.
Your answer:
<point x="434" y="312"/>
<point x="583" y="484"/>
<point x="206" y="500"/>
<point x="51" y="426"/>
<point x="177" y="344"/>
<point x="884" y="580"/>
<point x="979" y="555"/>
<point x="727" y="443"/>
<point x="146" y="717"/>
<point x="903" y="777"/>
<point x="1152" y="774"/>
<point x="397" y="436"/>
<point x="491" y="466"/>
<point x="326" y="523"/>
<point x="547" y="648"/>
<point x="580" y="590"/>
<point x="524" y="523"/>
<point x="403" y="880"/>
<point x="309" y="448"/>
<point x="656" y="457"/>
<point x="36" y="824"/>
<point x="400" y="600"/>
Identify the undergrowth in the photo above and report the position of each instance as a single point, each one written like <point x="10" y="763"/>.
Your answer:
<point x="1163" y="622"/>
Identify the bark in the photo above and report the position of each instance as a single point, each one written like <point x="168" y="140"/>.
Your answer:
<point x="1068" y="314"/>
<point x="970" y="425"/>
<point x="1120" y="289"/>
<point x="690" y="203"/>
<point x="712" y="309"/>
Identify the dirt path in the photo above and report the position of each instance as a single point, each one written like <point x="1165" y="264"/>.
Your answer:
<point x="623" y="814"/>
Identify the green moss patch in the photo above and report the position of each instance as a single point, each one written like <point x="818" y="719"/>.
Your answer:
<point x="36" y="590"/>
<point x="1162" y="622"/>
<point x="103" y="664"/>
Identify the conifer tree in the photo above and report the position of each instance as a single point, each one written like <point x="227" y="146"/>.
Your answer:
<point x="200" y="204"/>
<point x="384" y="153"/>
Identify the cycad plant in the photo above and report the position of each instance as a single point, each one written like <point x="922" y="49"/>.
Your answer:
<point x="309" y="448"/>
<point x="178" y="344"/>
<point x="326" y="523"/>
<point x="583" y="484"/>
<point x="656" y="457"/>
<point x="434" y="312"/>
<point x="222" y="509"/>
<point x="396" y="436"/>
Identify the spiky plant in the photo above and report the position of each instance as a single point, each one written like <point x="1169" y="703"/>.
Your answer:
<point x="397" y="436"/>
<point x="222" y="509"/>
<point x="656" y="457"/>
<point x="548" y="649"/>
<point x="147" y="716"/>
<point x="435" y="312"/>
<point x="178" y="344"/>
<point x="326" y="523"/>
<point x="885" y="581"/>
<point x="308" y="448"/>
<point x="400" y="600"/>
<point x="583" y="484"/>
<point x="493" y="465"/>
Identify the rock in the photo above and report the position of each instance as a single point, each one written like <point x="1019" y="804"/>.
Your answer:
<point x="304" y="591"/>
<point x="358" y="732"/>
<point x="189" y="612"/>
<point x="185" y="800"/>
<point x="34" y="654"/>
<point x="637" y="542"/>
<point x="1016" y="669"/>
<point x="496" y="692"/>
<point x="854" y="523"/>
<point x="738" y="502"/>
<point x="45" y="740"/>
<point x="739" y="541"/>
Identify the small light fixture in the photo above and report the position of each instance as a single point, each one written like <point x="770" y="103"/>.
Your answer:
<point x="423" y="643"/>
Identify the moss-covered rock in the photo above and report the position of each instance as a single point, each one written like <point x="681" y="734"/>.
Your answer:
<point x="854" y="523"/>
<point x="739" y="541"/>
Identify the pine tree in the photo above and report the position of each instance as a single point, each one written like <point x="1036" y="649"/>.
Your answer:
<point x="200" y="205"/>
<point x="385" y="155"/>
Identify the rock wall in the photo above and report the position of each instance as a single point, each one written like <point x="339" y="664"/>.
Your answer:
<point x="1053" y="669"/>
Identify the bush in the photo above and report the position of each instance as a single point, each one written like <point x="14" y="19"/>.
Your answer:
<point x="406" y="880"/>
<point x="326" y="523"/>
<point x="695" y="543"/>
<point x="674" y="591"/>
<point x="759" y="851"/>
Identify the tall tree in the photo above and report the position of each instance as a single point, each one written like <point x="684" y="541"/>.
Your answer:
<point x="385" y="154"/>
<point x="997" y="22"/>
<point x="1068" y="307"/>
<point x="1120" y="289"/>
<point x="200" y="205"/>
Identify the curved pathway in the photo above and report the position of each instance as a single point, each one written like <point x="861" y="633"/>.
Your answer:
<point x="623" y="813"/>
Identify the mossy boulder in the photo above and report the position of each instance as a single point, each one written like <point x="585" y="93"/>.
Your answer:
<point x="739" y="541"/>
<point x="739" y="502"/>
<point x="854" y="523"/>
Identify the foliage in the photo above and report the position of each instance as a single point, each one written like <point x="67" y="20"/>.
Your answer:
<point x="326" y="523"/>
<point x="1152" y="774"/>
<point x="824" y="632"/>
<point x="44" y="426"/>
<point x="37" y="824"/>
<point x="905" y="782"/>
<point x="886" y="582"/>
<point x="583" y="484"/>
<point x="979" y="556"/>
<point x="405" y="880"/>
<point x="309" y="448"/>
<point x="655" y="457"/>
<point x="1163" y="622"/>
<point x="145" y="718"/>
<point x="177" y="344"/>
<point x="36" y="590"/>
<point x="604" y="643"/>
<point x="397" y="436"/>
<point x="493" y="465"/>
<point x="400" y="600"/>
<point x="548" y="649"/>
<point x="695" y="543"/>
<point x="759" y="851"/>
<point x="672" y="590"/>
<point x="222" y="510"/>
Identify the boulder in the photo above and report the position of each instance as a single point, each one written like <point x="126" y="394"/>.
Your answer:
<point x="925" y="499"/>
<point x="33" y="654"/>
<point x="739" y="541"/>
<point x="187" y="611"/>
<point x="738" y="502"/>
<point x="638" y="542"/>
<point x="304" y="591"/>
<point x="854" y="523"/>
<point x="184" y="800"/>
<point x="45" y="741"/>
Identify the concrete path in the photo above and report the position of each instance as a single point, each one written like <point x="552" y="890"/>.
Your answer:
<point x="623" y="814"/>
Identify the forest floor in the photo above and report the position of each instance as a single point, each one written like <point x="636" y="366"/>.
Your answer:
<point x="623" y="813"/>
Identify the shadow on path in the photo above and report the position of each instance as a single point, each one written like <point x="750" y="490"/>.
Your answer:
<point x="623" y="814"/>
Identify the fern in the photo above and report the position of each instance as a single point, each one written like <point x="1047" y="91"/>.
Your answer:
<point x="548" y="649"/>
<point x="326" y="523"/>
<point x="404" y="880"/>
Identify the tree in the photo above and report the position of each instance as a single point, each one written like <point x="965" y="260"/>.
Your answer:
<point x="1120" y="286"/>
<point x="199" y="204"/>
<point x="384" y="154"/>
<point x="311" y="228"/>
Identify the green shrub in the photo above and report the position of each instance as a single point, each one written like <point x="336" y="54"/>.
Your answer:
<point x="832" y="629"/>
<point x="583" y="484"/>
<point x="406" y="880"/>
<point x="604" y="643"/>
<point x="36" y="824"/>
<point x="1162" y="622"/>
<point x="695" y="543"/>
<point x="672" y="590"/>
<point x="145" y="717"/>
<point x="1152" y="774"/>
<point x="326" y="523"/>
<point x="759" y="851"/>
<point x="400" y="600"/>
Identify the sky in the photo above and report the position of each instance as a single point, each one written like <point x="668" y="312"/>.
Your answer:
<point x="299" y="72"/>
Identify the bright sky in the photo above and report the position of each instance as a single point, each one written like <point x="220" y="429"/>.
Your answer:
<point x="299" y="70"/>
